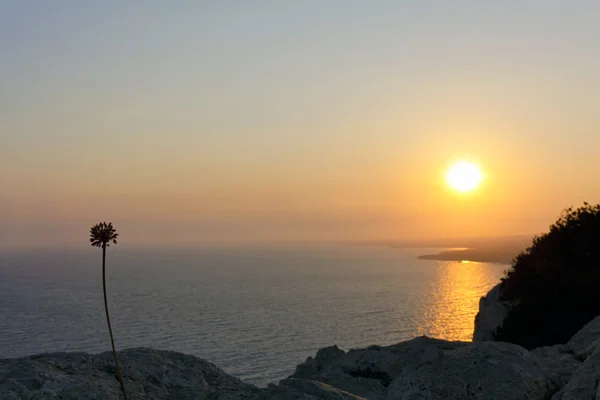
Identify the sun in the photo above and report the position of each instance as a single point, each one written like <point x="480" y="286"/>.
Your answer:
<point x="464" y="176"/>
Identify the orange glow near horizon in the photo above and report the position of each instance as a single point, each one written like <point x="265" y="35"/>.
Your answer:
<point x="305" y="134"/>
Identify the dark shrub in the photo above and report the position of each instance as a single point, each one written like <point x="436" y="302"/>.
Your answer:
<point x="555" y="283"/>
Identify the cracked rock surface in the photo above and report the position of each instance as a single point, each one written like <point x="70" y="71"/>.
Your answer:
<point x="421" y="368"/>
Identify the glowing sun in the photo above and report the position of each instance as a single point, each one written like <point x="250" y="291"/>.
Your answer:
<point x="464" y="176"/>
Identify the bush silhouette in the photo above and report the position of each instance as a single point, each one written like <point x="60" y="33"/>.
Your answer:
<point x="554" y="284"/>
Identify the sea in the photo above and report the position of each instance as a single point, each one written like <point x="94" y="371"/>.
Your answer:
<point x="255" y="312"/>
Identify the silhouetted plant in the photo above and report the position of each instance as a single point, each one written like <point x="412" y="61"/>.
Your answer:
<point x="102" y="235"/>
<point x="554" y="283"/>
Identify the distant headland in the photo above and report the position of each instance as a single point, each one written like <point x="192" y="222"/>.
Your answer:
<point x="497" y="256"/>
<point x="499" y="250"/>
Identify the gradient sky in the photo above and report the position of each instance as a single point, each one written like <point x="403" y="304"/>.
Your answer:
<point x="201" y="122"/>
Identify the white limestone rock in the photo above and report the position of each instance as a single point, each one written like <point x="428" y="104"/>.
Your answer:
<point x="557" y="362"/>
<point x="421" y="368"/>
<point x="368" y="372"/>
<point x="491" y="315"/>
<point x="585" y="382"/>
<point x="480" y="371"/>
<point x="301" y="389"/>
<point x="148" y="374"/>
<point x="586" y="340"/>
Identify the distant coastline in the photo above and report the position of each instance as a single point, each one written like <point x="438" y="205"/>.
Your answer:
<point x="498" y="250"/>
<point x="497" y="256"/>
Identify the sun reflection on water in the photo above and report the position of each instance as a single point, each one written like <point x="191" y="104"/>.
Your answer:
<point x="453" y="301"/>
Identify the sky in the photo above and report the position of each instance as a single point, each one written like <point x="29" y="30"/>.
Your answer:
<point x="197" y="122"/>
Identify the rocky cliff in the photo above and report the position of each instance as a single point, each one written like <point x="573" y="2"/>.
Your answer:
<point x="491" y="315"/>
<point x="422" y="368"/>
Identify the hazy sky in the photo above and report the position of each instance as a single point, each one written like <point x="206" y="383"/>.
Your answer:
<point x="197" y="121"/>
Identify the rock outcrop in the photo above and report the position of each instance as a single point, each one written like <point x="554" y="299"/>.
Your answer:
<point x="368" y="372"/>
<point x="489" y="370"/>
<point x="302" y="389"/>
<point x="557" y="362"/>
<point x="491" y="315"/>
<point x="148" y="374"/>
<point x="585" y="379"/>
<point x="422" y="368"/>
<point x="584" y="342"/>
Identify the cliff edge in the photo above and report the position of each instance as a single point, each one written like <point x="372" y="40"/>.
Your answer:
<point x="421" y="368"/>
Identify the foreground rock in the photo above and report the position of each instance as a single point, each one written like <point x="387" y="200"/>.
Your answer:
<point x="481" y="371"/>
<point x="584" y="342"/>
<point x="557" y="362"/>
<point x="368" y="372"/>
<point x="302" y="389"/>
<point x="425" y="368"/>
<point x="585" y="380"/>
<point x="148" y="374"/>
<point x="422" y="368"/>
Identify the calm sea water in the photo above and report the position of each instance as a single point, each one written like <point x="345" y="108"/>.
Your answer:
<point x="255" y="312"/>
